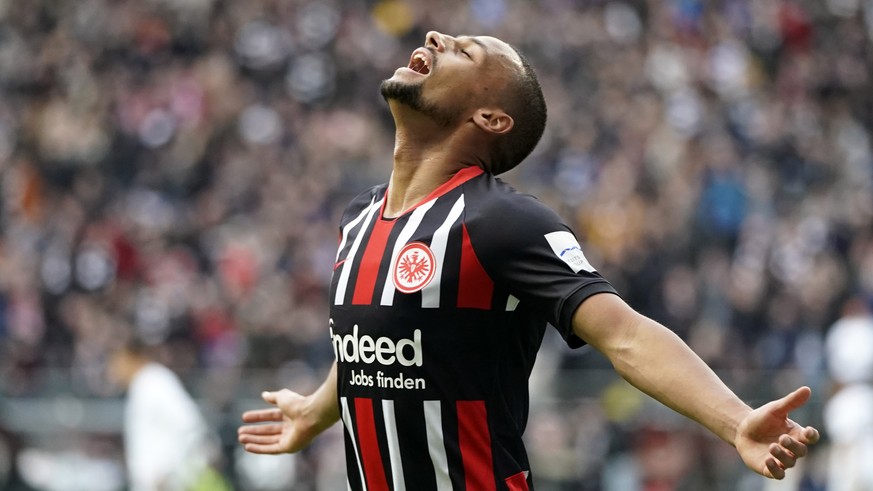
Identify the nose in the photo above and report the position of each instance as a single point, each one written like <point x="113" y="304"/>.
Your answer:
<point x="436" y="41"/>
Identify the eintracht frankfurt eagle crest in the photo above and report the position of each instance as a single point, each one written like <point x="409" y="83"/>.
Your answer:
<point x="414" y="267"/>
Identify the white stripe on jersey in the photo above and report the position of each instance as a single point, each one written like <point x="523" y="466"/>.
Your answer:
<point x="408" y="229"/>
<point x="511" y="303"/>
<point x="436" y="446"/>
<point x="430" y="294"/>
<point x="346" y="266"/>
<point x="349" y="226"/>
<point x="393" y="445"/>
<point x="347" y="420"/>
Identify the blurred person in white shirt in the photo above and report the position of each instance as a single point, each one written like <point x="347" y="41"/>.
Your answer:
<point x="168" y="444"/>
<point x="848" y="414"/>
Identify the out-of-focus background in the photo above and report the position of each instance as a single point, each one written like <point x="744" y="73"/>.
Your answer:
<point x="175" y="170"/>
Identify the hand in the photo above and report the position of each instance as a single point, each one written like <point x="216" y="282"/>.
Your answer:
<point x="769" y="442"/>
<point x="290" y="426"/>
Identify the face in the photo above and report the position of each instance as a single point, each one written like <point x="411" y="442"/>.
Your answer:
<point x="449" y="77"/>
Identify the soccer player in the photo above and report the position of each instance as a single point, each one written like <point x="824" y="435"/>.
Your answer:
<point x="445" y="280"/>
<point x="167" y="442"/>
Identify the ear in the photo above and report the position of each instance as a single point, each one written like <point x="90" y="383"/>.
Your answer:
<point x="493" y="120"/>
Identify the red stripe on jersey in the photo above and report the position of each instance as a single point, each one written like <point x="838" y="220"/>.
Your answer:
<point x="475" y="442"/>
<point x="370" y="262"/>
<point x="475" y="287"/>
<point x="517" y="482"/>
<point x="459" y="178"/>
<point x="374" y="471"/>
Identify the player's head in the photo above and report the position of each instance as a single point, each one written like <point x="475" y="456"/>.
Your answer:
<point x="127" y="359"/>
<point x="474" y="79"/>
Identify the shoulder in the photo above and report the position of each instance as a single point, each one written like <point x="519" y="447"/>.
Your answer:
<point x="155" y="373"/>
<point x="492" y="203"/>
<point x="363" y="201"/>
<point x="368" y="196"/>
<point x="153" y="378"/>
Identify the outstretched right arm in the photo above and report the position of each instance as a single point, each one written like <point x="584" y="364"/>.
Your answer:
<point x="294" y="421"/>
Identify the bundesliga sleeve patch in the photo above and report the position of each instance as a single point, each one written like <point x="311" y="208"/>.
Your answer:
<point x="414" y="268"/>
<point x="567" y="248"/>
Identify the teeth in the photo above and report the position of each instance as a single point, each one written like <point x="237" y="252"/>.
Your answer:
<point x="419" y="62"/>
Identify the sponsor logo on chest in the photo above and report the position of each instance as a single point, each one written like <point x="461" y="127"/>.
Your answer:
<point x="383" y="350"/>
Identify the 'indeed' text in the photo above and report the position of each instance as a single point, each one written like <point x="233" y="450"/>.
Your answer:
<point x="383" y="350"/>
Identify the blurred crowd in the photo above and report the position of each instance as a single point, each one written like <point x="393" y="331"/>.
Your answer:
<point x="175" y="170"/>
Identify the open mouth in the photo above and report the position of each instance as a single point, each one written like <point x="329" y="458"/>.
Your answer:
<point x="420" y="62"/>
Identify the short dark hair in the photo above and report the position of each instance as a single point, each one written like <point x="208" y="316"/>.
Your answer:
<point x="134" y="345"/>
<point x="523" y="100"/>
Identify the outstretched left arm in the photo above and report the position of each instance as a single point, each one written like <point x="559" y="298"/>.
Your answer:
<point x="653" y="359"/>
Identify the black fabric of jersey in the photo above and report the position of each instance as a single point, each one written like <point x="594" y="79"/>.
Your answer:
<point x="436" y="319"/>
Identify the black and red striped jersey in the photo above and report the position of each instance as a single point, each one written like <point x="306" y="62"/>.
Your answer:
<point x="436" y="319"/>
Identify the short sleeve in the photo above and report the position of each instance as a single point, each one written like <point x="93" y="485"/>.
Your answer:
<point x="529" y="251"/>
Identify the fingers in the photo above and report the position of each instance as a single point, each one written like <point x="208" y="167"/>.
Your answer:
<point x="784" y="458"/>
<point x="785" y="454"/>
<point x="259" y="439"/>
<point x="266" y="429"/>
<point x="262" y="416"/>
<point x="811" y="434"/>
<point x="263" y="438"/>
<point x="792" y="401"/>
<point x="265" y="415"/>
<point x="271" y="449"/>
<point x="772" y="469"/>
<point x="269" y="396"/>
<point x="796" y="448"/>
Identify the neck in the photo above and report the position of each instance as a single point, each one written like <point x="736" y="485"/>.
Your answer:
<point x="425" y="157"/>
<point x="134" y="366"/>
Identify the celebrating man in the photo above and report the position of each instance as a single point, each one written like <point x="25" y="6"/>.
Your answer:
<point x="444" y="283"/>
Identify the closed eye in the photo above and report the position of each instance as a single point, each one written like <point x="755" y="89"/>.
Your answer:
<point x="466" y="54"/>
